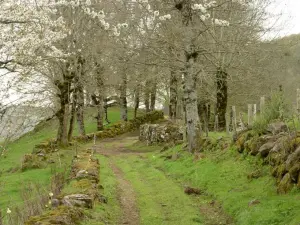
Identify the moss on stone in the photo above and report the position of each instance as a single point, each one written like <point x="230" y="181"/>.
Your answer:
<point x="33" y="161"/>
<point x="61" y="215"/>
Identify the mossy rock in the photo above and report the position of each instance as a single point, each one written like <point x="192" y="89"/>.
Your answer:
<point x="295" y="142"/>
<point x="33" y="161"/>
<point x="279" y="171"/>
<point x="61" y="215"/>
<point x="252" y="146"/>
<point x="285" y="185"/>
<point x="275" y="158"/>
<point x="242" y="139"/>
<point x="294" y="171"/>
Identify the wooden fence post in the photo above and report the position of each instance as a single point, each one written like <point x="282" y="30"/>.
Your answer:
<point x="242" y="124"/>
<point x="254" y="112"/>
<point x="216" y="123"/>
<point x="227" y="122"/>
<point x="298" y="101"/>
<point x="262" y="104"/>
<point x="233" y="119"/>
<point x="250" y="114"/>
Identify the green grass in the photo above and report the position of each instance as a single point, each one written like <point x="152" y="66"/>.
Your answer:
<point x="160" y="200"/>
<point x="224" y="175"/>
<point x="90" y="121"/>
<point x="106" y="213"/>
<point x="10" y="183"/>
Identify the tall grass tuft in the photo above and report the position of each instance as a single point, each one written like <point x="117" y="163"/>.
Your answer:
<point x="275" y="109"/>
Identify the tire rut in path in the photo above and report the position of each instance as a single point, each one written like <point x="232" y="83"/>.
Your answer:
<point x="126" y="195"/>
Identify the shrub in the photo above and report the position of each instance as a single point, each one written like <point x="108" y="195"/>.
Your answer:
<point x="275" y="109"/>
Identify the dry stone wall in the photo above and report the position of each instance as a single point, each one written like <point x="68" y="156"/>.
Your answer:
<point x="277" y="148"/>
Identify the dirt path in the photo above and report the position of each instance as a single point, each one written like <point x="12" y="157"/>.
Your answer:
<point x="163" y="200"/>
<point x="130" y="213"/>
<point x="126" y="195"/>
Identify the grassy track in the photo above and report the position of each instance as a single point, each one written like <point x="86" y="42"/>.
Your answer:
<point x="160" y="200"/>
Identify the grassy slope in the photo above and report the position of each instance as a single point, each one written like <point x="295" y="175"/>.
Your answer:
<point x="11" y="183"/>
<point x="224" y="174"/>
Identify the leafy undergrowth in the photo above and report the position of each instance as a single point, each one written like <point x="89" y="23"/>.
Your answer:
<point x="160" y="200"/>
<point x="224" y="174"/>
<point x="106" y="213"/>
<point x="13" y="180"/>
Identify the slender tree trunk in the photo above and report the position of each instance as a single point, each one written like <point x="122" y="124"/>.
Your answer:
<point x="72" y="118"/>
<point x="153" y="95"/>
<point x="136" y="100"/>
<point x="100" y="114"/>
<point x="147" y="96"/>
<point x="63" y="113"/>
<point x="80" y="110"/>
<point x="123" y="98"/>
<point x="99" y="102"/>
<point x="173" y="95"/>
<point x="106" y="110"/>
<point x="222" y="88"/>
<point x="62" y="134"/>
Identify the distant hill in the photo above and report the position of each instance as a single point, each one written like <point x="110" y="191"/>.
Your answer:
<point x="272" y="64"/>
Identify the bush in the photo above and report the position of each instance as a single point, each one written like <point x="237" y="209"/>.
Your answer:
<point x="275" y="109"/>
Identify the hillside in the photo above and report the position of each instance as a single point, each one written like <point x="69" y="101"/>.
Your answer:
<point x="13" y="180"/>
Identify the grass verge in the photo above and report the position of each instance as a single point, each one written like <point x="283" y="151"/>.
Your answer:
<point x="106" y="213"/>
<point x="224" y="175"/>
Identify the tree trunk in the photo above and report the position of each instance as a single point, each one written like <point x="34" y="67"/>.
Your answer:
<point x="222" y="88"/>
<point x="63" y="113"/>
<point x="190" y="77"/>
<point x="106" y="111"/>
<point x="136" y="100"/>
<point x="99" y="102"/>
<point x="72" y="118"/>
<point x="190" y="102"/>
<point x="173" y="95"/>
<point x="202" y="112"/>
<point x="123" y="98"/>
<point x="153" y="95"/>
<point x="62" y="134"/>
<point x="147" y="96"/>
<point x="80" y="110"/>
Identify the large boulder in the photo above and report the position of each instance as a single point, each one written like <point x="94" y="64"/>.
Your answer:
<point x="293" y="159"/>
<point x="285" y="185"/>
<point x="79" y="200"/>
<point x="160" y="133"/>
<point x="277" y="127"/>
<point x="266" y="148"/>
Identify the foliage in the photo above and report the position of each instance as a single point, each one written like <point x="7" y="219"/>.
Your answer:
<point x="275" y="109"/>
